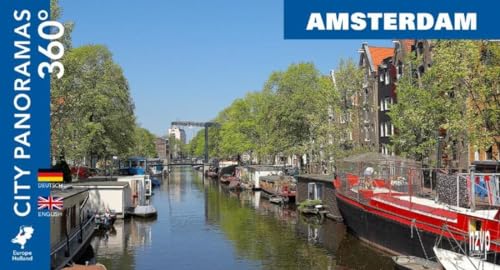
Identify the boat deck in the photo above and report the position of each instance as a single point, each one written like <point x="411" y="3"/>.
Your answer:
<point x="431" y="207"/>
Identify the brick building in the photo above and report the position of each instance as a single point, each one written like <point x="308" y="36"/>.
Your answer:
<point x="370" y="59"/>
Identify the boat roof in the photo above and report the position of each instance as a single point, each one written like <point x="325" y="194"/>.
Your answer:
<point x="316" y="177"/>
<point x="68" y="192"/>
<point x="274" y="178"/>
<point x="441" y="207"/>
<point x="265" y="167"/>
<point x="100" y="184"/>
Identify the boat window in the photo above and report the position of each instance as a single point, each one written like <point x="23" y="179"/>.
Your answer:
<point x="310" y="190"/>
<point x="64" y="223"/>
<point x="73" y="217"/>
<point x="314" y="191"/>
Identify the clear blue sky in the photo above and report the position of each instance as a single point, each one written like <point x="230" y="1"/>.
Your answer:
<point x="189" y="59"/>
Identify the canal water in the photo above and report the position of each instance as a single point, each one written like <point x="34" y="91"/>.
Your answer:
<point x="200" y="225"/>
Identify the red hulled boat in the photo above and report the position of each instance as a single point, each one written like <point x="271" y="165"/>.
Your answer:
<point x="381" y="201"/>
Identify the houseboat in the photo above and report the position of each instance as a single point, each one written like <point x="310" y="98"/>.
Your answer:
<point x="317" y="188"/>
<point x="250" y="175"/>
<point x="279" y="189"/>
<point x="71" y="231"/>
<point x="134" y="166"/>
<point x="122" y="195"/>
<point x="107" y="194"/>
<point x="381" y="201"/>
<point x="141" y="189"/>
<point x="155" y="167"/>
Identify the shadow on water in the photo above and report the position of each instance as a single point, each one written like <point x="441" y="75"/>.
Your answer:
<point x="201" y="225"/>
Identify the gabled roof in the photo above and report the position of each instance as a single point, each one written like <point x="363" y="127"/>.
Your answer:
<point x="378" y="54"/>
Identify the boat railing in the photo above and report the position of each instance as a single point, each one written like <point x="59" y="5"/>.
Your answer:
<point x="66" y="249"/>
<point x="469" y="189"/>
<point x="360" y="179"/>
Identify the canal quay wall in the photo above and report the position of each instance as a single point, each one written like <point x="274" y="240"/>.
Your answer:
<point x="327" y="194"/>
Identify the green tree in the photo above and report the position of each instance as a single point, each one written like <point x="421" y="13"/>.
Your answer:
<point x="458" y="95"/>
<point x="144" y="143"/>
<point x="55" y="14"/>
<point x="300" y="96"/>
<point x="91" y="107"/>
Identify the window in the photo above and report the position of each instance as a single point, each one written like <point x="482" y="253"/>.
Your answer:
<point x="387" y="77"/>
<point x="350" y="135"/>
<point x="381" y="76"/>
<point x="382" y="133"/>
<point x="387" y="102"/>
<point x="367" y="134"/>
<point x="489" y="153"/>
<point x="386" y="129"/>
<point x="392" y="129"/>
<point x="476" y="155"/>
<point x="314" y="191"/>
<point x="381" y="105"/>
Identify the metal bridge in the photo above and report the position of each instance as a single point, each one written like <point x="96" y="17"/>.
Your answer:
<point x="206" y="125"/>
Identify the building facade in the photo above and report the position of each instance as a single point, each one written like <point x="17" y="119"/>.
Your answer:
<point x="161" y="145"/>
<point x="177" y="133"/>
<point x="370" y="60"/>
<point x="386" y="95"/>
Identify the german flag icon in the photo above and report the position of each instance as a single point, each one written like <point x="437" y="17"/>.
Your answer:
<point x="50" y="175"/>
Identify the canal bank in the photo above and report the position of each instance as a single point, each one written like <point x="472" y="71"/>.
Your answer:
<point x="201" y="225"/>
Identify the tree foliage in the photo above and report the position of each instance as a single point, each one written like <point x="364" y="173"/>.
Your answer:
<point x="459" y="94"/>
<point x="91" y="107"/>
<point x="144" y="143"/>
<point x="288" y="116"/>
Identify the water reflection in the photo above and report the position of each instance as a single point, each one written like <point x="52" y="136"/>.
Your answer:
<point x="201" y="225"/>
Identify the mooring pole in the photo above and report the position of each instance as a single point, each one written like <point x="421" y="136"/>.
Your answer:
<point x="206" y="143"/>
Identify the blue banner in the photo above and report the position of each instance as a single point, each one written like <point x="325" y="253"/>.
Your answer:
<point x="25" y="136"/>
<point x="391" y="19"/>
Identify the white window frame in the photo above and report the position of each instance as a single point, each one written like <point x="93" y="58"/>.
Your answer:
<point x="387" y="77"/>
<point x="314" y="189"/>
<point x="387" y="101"/>
<point x="367" y="134"/>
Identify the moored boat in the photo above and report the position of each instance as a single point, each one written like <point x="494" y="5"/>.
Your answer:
<point x="415" y="263"/>
<point x="275" y="186"/>
<point x="455" y="261"/>
<point x="378" y="197"/>
<point x="71" y="231"/>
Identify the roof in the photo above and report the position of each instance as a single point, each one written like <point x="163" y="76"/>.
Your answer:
<point x="274" y="178"/>
<point x="316" y="178"/>
<point x="378" y="54"/>
<point x="100" y="184"/>
<point x="265" y="168"/>
<point x="67" y="192"/>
